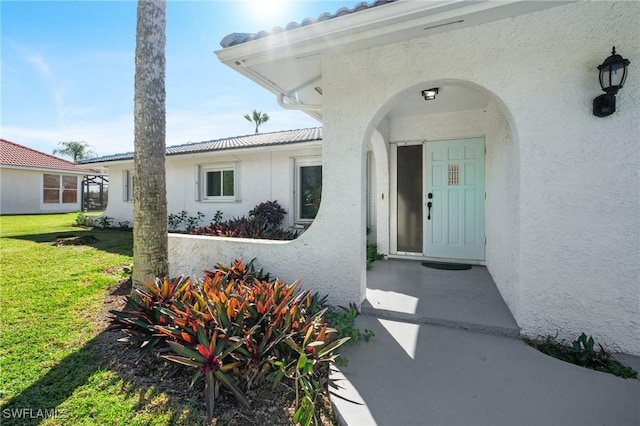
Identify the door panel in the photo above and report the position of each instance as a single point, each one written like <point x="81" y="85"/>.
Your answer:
<point x="455" y="177"/>
<point x="410" y="192"/>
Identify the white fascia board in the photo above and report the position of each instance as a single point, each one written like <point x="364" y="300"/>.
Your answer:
<point x="249" y="150"/>
<point x="330" y="33"/>
<point x="46" y="170"/>
<point x="386" y="23"/>
<point x="379" y="25"/>
<point x="106" y="164"/>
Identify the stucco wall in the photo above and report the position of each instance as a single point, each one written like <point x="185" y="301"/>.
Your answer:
<point x="578" y="207"/>
<point x="21" y="193"/>
<point x="501" y="206"/>
<point x="463" y="124"/>
<point x="263" y="175"/>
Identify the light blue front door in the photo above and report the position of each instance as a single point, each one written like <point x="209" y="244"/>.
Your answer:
<point x="454" y="219"/>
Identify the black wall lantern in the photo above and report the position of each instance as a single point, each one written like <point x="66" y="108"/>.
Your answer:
<point x="613" y="73"/>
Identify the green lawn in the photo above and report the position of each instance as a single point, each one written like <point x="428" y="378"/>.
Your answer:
<point x="50" y="356"/>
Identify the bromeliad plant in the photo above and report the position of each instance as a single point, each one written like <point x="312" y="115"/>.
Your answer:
<point x="264" y="222"/>
<point x="148" y="308"/>
<point x="211" y="359"/>
<point x="239" y="329"/>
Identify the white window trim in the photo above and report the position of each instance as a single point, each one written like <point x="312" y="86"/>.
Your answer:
<point x="300" y="162"/>
<point x="60" y="189"/>
<point x="127" y="186"/>
<point x="201" y="182"/>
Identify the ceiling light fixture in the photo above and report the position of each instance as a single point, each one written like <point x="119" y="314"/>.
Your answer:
<point x="430" y="94"/>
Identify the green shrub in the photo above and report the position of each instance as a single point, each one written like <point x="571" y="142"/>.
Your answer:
<point x="582" y="352"/>
<point x="103" y="222"/>
<point x="270" y="211"/>
<point x="174" y="220"/>
<point x="83" y="220"/>
<point x="343" y="320"/>
<point x="238" y="330"/>
<point x="373" y="255"/>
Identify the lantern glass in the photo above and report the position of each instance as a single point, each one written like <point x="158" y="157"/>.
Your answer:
<point x="613" y="73"/>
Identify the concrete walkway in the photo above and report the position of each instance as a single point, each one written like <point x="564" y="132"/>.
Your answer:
<point x="416" y="373"/>
<point x="406" y="290"/>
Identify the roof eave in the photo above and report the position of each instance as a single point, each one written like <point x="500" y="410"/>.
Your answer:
<point x="375" y="26"/>
<point x="78" y="171"/>
<point x="312" y="143"/>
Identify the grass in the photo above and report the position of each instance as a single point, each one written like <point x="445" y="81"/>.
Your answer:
<point x="50" y="350"/>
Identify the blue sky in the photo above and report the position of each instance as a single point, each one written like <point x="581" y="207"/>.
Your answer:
<point x="67" y="71"/>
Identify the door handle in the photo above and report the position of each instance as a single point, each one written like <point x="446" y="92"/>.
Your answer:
<point x="429" y="204"/>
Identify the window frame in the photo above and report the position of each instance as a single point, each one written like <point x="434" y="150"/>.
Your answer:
<point x="127" y="186"/>
<point x="203" y="169"/>
<point x="299" y="164"/>
<point x="61" y="188"/>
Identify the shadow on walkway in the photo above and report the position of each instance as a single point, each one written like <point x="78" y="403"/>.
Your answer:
<point x="417" y="374"/>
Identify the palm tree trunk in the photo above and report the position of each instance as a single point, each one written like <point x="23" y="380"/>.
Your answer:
<point x="150" y="257"/>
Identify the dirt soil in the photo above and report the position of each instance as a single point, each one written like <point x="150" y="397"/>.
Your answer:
<point x="267" y="407"/>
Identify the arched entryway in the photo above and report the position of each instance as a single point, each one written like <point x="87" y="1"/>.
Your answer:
<point x="453" y="179"/>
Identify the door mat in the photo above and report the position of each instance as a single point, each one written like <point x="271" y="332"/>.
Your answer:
<point x="447" y="266"/>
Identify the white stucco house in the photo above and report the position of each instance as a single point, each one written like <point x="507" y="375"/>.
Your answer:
<point x="504" y="165"/>
<point x="35" y="182"/>
<point x="231" y="175"/>
<point x="520" y="174"/>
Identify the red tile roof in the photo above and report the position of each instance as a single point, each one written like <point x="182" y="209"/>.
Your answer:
<point x="12" y="154"/>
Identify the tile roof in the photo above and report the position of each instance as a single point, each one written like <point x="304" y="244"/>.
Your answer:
<point x="239" y="38"/>
<point x="13" y="154"/>
<point x="237" y="142"/>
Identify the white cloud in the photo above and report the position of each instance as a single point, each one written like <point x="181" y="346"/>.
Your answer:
<point x="40" y="64"/>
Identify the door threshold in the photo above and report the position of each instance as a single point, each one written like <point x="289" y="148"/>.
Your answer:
<point x="436" y="259"/>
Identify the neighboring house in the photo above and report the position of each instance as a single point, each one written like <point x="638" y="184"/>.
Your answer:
<point x="34" y="182"/>
<point x="520" y="174"/>
<point x="231" y="175"/>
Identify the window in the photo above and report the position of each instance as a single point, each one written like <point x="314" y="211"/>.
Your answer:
<point x="127" y="188"/>
<point x="59" y="189"/>
<point x="218" y="182"/>
<point x="308" y="188"/>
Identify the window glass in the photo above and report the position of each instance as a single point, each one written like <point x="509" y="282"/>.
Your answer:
<point x="227" y="183"/>
<point x="51" y="186"/>
<point x="310" y="191"/>
<point x="214" y="184"/>
<point x="70" y="189"/>
<point x="70" y="182"/>
<point x="219" y="181"/>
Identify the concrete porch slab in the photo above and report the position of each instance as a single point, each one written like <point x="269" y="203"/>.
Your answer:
<point x="420" y="374"/>
<point x="405" y="290"/>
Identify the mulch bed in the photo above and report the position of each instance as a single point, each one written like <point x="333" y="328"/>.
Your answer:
<point x="267" y="406"/>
